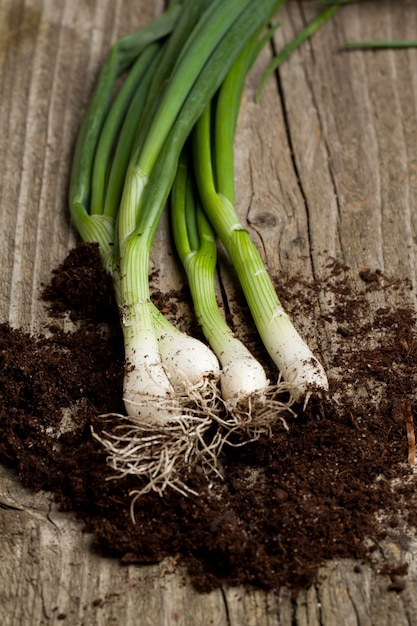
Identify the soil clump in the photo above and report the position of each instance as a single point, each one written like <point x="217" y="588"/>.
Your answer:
<point x="331" y="486"/>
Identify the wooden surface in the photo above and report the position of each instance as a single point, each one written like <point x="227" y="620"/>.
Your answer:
<point x="326" y="166"/>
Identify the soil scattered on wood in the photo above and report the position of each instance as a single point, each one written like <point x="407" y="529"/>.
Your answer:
<point x="319" y="490"/>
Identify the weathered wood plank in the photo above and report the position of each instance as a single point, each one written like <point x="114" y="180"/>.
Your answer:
<point x="325" y="166"/>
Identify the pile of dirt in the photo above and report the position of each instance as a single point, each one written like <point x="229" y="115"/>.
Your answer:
<point x="288" y="502"/>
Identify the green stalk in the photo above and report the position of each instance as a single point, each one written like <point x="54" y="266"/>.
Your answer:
<point x="122" y="54"/>
<point x="299" y="39"/>
<point x="95" y="215"/>
<point x="111" y="128"/>
<point x="90" y="221"/>
<point x="155" y="195"/>
<point x="356" y="45"/>
<point x="229" y="99"/>
<point x="206" y="38"/>
<point x="120" y="160"/>
<point x="196" y="246"/>
<point x="188" y="19"/>
<point x="162" y="73"/>
<point x="224" y="219"/>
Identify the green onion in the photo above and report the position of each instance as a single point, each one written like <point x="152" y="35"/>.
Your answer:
<point x="296" y="363"/>
<point x="125" y="164"/>
<point x="402" y="43"/>
<point x="165" y="434"/>
<point x="245" y="389"/>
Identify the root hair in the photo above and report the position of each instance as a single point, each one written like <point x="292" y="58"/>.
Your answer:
<point x="198" y="424"/>
<point x="255" y="414"/>
<point x="161" y="454"/>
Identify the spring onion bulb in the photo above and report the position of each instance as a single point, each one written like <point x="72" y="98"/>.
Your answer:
<point x="163" y="365"/>
<point x="187" y="361"/>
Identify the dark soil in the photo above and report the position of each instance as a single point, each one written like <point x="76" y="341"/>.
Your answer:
<point x="288" y="502"/>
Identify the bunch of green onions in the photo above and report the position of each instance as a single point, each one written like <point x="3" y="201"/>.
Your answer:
<point x="168" y="133"/>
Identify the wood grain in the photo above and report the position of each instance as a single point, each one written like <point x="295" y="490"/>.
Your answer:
<point x="326" y="166"/>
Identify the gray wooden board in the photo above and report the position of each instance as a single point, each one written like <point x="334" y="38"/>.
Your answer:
<point x="326" y="166"/>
